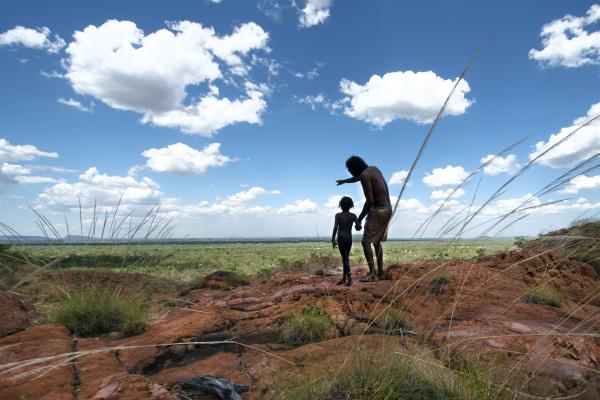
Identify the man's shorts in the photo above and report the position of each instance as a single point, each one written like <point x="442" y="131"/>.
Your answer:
<point x="377" y="224"/>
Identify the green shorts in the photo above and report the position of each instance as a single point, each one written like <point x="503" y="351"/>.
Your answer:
<point x="377" y="225"/>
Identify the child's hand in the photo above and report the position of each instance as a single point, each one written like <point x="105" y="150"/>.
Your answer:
<point x="334" y="244"/>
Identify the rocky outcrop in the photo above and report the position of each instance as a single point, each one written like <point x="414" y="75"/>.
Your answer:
<point x="16" y="314"/>
<point x="477" y="315"/>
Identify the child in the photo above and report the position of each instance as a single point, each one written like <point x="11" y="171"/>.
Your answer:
<point x="343" y="229"/>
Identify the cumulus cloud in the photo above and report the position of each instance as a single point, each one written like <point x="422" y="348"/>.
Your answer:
<point x="416" y="96"/>
<point x="181" y="159"/>
<point x="247" y="195"/>
<point x="582" y="182"/>
<point x="398" y="177"/>
<point x="30" y="180"/>
<point x="570" y="41"/>
<point x="27" y="152"/>
<point x="582" y="145"/>
<point x="443" y="194"/>
<point x="315" y="12"/>
<point x="500" y="164"/>
<point x="32" y="38"/>
<point x="102" y="189"/>
<point x="126" y="69"/>
<point x="75" y="104"/>
<point x="11" y="174"/>
<point x="333" y="202"/>
<point x="449" y="175"/>
<point x="304" y="206"/>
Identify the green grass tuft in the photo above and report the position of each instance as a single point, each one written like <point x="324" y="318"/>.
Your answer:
<point x="438" y="282"/>
<point x="387" y="376"/>
<point x="393" y="320"/>
<point x="98" y="310"/>
<point x="309" y="326"/>
<point x="546" y="294"/>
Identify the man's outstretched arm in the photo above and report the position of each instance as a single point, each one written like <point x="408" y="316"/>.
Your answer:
<point x="349" y="180"/>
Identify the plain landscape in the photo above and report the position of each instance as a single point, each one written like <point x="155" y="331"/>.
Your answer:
<point x="471" y="319"/>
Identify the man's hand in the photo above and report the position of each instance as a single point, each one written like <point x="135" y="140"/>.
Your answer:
<point x="358" y="226"/>
<point x="334" y="244"/>
<point x="340" y="182"/>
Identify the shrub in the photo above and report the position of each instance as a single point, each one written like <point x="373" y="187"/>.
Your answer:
<point x="481" y="252"/>
<point x="546" y="294"/>
<point x="100" y="310"/>
<point x="393" y="320"/>
<point x="520" y="241"/>
<point x="309" y="326"/>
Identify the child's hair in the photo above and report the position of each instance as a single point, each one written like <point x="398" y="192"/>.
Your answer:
<point x="346" y="203"/>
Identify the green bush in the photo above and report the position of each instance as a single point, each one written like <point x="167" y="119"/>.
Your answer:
<point x="100" y="310"/>
<point x="546" y="294"/>
<point x="309" y="326"/>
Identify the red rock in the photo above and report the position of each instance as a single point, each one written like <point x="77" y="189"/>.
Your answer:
<point x="31" y="383"/>
<point x="16" y="315"/>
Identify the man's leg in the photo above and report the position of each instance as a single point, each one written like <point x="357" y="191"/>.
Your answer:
<point x="379" y="255"/>
<point x="369" y="257"/>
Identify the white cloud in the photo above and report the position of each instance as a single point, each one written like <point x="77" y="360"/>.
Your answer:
<point x="315" y="12"/>
<point x="500" y="164"/>
<point x="582" y="145"/>
<point x="32" y="38"/>
<point x="333" y="202"/>
<point x="11" y="174"/>
<point x="75" y="104"/>
<point x="312" y="101"/>
<point x="181" y="159"/>
<point x="445" y="176"/>
<point x="398" y="177"/>
<point x="9" y="152"/>
<point x="567" y="41"/>
<point x="304" y="206"/>
<point x="247" y="195"/>
<point x="582" y="182"/>
<point x="29" y="180"/>
<point x="443" y="194"/>
<point x="102" y="189"/>
<point x="13" y="169"/>
<point x="416" y="96"/>
<point x="150" y="74"/>
<point x="310" y="75"/>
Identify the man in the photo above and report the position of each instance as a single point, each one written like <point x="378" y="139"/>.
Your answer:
<point x="377" y="209"/>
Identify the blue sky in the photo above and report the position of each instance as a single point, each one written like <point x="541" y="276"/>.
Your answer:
<point x="237" y="116"/>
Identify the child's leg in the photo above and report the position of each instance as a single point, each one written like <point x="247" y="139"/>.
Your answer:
<point x="346" y="257"/>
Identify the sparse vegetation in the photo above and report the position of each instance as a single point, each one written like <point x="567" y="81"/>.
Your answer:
<point x="310" y="325"/>
<point x="438" y="282"/>
<point x="186" y="262"/>
<point x="393" y="320"/>
<point x="386" y="375"/>
<point x="98" y="310"/>
<point x="520" y="241"/>
<point x="546" y="294"/>
<point x="481" y="252"/>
